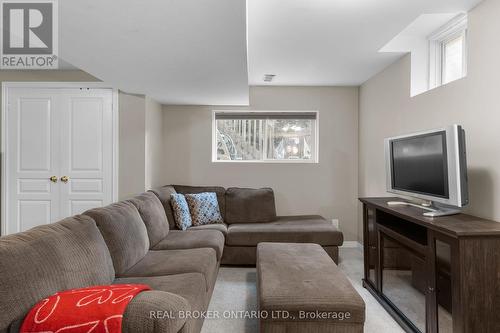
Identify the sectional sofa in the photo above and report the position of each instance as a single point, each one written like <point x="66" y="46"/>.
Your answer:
<point x="135" y="241"/>
<point x="250" y="218"/>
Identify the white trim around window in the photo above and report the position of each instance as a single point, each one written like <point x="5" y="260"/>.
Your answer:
<point x="454" y="29"/>
<point x="263" y="115"/>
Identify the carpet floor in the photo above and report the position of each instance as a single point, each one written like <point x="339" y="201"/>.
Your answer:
<point x="235" y="292"/>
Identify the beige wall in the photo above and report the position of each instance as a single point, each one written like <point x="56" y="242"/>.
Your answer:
<point x="154" y="143"/>
<point x="132" y="143"/>
<point x="141" y="143"/>
<point x="386" y="109"/>
<point x="328" y="188"/>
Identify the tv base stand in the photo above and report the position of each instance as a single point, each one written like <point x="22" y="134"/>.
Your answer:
<point x="433" y="210"/>
<point x="432" y="274"/>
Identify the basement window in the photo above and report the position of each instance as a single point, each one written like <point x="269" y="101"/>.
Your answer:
<point x="262" y="136"/>
<point x="448" y="52"/>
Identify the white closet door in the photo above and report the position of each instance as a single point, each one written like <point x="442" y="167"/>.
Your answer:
<point x="32" y="158"/>
<point x="86" y="150"/>
<point x="66" y="134"/>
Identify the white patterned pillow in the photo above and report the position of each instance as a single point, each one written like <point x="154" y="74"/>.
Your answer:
<point x="204" y="208"/>
<point x="181" y="211"/>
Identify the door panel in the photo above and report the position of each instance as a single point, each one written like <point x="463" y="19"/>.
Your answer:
<point x="86" y="131"/>
<point x="57" y="132"/>
<point x="31" y="159"/>
<point x="34" y="129"/>
<point x="87" y="155"/>
<point x="33" y="213"/>
<point x="80" y="206"/>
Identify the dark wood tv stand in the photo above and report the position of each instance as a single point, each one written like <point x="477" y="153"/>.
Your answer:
<point x="432" y="275"/>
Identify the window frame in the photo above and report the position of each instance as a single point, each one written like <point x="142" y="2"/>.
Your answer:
<point x="455" y="28"/>
<point x="314" y="146"/>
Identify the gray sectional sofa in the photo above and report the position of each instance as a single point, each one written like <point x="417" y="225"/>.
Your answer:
<point x="135" y="241"/>
<point x="250" y="218"/>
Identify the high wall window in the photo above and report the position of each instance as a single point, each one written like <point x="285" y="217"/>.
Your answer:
<point x="448" y="52"/>
<point x="260" y="136"/>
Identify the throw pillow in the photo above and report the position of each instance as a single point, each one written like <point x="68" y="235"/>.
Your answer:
<point x="181" y="211"/>
<point x="204" y="208"/>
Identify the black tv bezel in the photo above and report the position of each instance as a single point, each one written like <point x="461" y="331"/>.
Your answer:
<point x="445" y="164"/>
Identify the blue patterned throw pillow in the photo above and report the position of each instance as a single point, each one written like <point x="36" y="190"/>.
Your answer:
<point x="181" y="211"/>
<point x="204" y="208"/>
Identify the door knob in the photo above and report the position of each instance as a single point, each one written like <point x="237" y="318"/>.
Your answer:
<point x="64" y="179"/>
<point x="53" y="179"/>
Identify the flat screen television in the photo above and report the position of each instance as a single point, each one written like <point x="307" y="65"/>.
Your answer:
<point x="429" y="165"/>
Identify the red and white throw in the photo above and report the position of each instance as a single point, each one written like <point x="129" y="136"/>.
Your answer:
<point x="97" y="309"/>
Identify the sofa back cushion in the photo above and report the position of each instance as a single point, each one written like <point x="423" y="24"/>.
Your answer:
<point x="247" y="205"/>
<point x="124" y="232"/>
<point x="163" y="193"/>
<point x="39" y="262"/>
<point x="219" y="191"/>
<point x="153" y="214"/>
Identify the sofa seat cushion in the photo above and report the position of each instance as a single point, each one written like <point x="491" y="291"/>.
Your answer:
<point x="287" y="229"/>
<point x="169" y="262"/>
<point x="124" y="231"/>
<point x="44" y="260"/>
<point x="153" y="214"/>
<point x="249" y="205"/>
<point x="222" y="227"/>
<point x="179" y="240"/>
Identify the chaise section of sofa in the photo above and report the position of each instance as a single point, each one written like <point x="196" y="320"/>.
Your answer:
<point x="71" y="254"/>
<point x="250" y="218"/>
<point x="242" y="238"/>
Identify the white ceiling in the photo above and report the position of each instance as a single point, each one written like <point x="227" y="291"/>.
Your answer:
<point x="176" y="51"/>
<point x="330" y="42"/>
<point x="195" y="52"/>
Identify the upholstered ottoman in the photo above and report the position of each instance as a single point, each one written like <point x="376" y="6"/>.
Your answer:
<point x="301" y="290"/>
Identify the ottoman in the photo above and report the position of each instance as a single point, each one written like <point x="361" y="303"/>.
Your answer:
<point x="300" y="289"/>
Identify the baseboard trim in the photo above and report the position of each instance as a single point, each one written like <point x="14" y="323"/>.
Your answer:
<point x="352" y="244"/>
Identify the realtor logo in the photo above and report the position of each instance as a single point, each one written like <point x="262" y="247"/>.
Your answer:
<point x="29" y="34"/>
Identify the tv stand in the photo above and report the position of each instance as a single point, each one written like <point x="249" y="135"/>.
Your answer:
<point x="432" y="274"/>
<point x="433" y="210"/>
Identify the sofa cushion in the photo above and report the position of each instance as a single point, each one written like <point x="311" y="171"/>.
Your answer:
<point x="179" y="240"/>
<point x="190" y="286"/>
<point x="146" y="313"/>
<point x="163" y="193"/>
<point x="287" y="229"/>
<point x="222" y="227"/>
<point x="204" y="208"/>
<point x="219" y="191"/>
<point x="124" y="232"/>
<point x="168" y="262"/>
<point x="247" y="205"/>
<point x="181" y="211"/>
<point x="46" y="259"/>
<point x="153" y="215"/>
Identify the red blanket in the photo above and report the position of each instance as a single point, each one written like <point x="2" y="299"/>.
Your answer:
<point x="97" y="309"/>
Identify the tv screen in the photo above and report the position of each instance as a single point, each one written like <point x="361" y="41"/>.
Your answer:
<point x="419" y="164"/>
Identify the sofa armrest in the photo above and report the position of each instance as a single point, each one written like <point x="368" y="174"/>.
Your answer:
<point x="155" y="312"/>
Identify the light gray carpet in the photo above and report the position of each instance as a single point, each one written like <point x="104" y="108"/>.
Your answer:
<point x="235" y="291"/>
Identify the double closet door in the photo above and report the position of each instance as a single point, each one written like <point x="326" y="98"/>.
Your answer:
<point x="59" y="154"/>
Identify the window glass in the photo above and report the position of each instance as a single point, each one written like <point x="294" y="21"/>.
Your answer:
<point x="265" y="136"/>
<point x="453" y="59"/>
